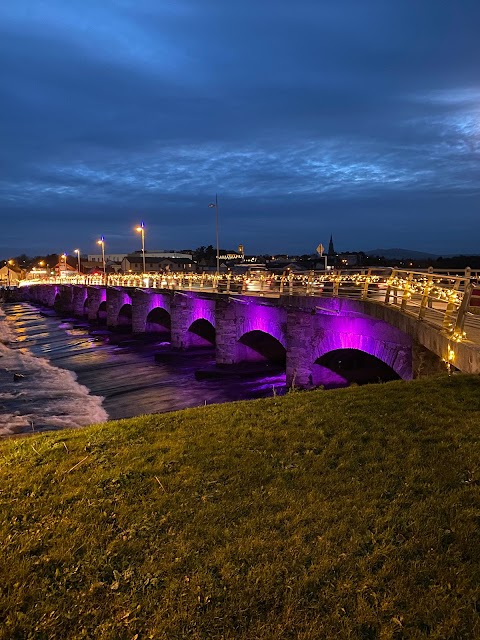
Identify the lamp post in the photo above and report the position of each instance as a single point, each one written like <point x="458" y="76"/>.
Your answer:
<point x="101" y="242"/>
<point x="9" y="262"/>
<point x="141" y="229"/>
<point x="215" y="205"/>
<point x="77" y="251"/>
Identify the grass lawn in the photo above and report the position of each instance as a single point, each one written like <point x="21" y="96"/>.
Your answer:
<point x="344" y="514"/>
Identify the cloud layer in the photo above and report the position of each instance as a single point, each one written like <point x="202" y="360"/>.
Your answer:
<point x="361" y="119"/>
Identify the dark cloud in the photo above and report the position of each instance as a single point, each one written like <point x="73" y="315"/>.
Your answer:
<point x="358" y="118"/>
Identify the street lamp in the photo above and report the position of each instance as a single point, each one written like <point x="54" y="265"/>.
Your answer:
<point x="212" y="205"/>
<point x="9" y="262"/>
<point x="77" y="251"/>
<point x="101" y="242"/>
<point x="141" y="229"/>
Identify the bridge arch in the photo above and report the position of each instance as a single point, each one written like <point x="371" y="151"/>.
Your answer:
<point x="203" y="333"/>
<point x="194" y="321"/>
<point x="260" y="346"/>
<point x="102" y="311"/>
<point x="124" y="318"/>
<point x="342" y="367"/>
<point x="397" y="356"/>
<point x="158" y="320"/>
<point x="86" y="305"/>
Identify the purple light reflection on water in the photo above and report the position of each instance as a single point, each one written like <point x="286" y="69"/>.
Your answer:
<point x="271" y="383"/>
<point x="124" y="371"/>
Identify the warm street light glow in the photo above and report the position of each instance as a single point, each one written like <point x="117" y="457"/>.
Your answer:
<point x="141" y="229"/>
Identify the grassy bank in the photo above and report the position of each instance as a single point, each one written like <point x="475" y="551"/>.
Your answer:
<point x="348" y="514"/>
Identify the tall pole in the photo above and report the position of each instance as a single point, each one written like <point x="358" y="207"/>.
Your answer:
<point x="77" y="251"/>
<point x="103" y="258"/>
<point x="218" y="246"/>
<point x="141" y="229"/>
<point x="211" y="205"/>
<point x="101" y="242"/>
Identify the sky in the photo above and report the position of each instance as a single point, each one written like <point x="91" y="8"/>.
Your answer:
<point x="355" y="118"/>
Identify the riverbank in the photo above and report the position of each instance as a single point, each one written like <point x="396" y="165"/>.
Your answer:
<point x="348" y="514"/>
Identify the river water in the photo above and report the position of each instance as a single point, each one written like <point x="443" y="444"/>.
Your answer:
<point x="57" y="373"/>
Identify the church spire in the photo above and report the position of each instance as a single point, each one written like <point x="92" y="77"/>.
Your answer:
<point x="331" y="250"/>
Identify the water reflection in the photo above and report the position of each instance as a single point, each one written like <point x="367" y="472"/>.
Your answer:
<point x="133" y="375"/>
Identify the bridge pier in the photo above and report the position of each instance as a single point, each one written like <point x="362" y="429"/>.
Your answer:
<point x="78" y="300"/>
<point x="144" y="304"/>
<point x="95" y="297"/>
<point x="186" y="312"/>
<point x="250" y="331"/>
<point x="226" y="332"/>
<point x="300" y="341"/>
<point x="119" y="308"/>
<point x="63" y="299"/>
<point x="48" y="294"/>
<point x="36" y="293"/>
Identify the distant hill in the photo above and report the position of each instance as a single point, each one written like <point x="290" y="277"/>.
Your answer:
<point x="402" y="254"/>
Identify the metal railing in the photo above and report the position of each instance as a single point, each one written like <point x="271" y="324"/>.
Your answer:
<point x="439" y="298"/>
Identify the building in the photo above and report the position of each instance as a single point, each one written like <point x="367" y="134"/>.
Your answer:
<point x="9" y="277"/>
<point x="133" y="263"/>
<point x="348" y="259"/>
<point x="38" y="273"/>
<point x="230" y="255"/>
<point x="162" y="254"/>
<point x="109" y="257"/>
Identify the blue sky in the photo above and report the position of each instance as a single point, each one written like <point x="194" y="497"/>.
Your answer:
<point x="312" y="117"/>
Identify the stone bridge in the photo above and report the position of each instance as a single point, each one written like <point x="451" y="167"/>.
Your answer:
<point x="299" y="331"/>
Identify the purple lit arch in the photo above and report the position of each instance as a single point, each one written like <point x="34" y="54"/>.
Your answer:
<point x="375" y="337"/>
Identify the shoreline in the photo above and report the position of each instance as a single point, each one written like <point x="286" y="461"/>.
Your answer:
<point x="46" y="397"/>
